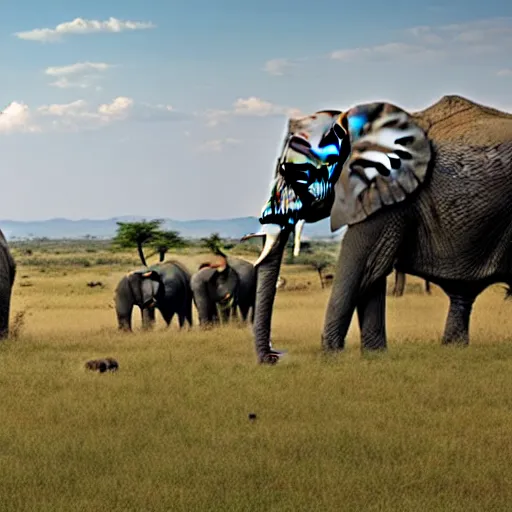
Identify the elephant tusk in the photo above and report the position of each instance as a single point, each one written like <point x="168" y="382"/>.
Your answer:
<point x="271" y="233"/>
<point x="298" y="232"/>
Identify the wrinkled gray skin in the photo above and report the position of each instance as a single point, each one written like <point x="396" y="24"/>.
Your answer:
<point x="218" y="293"/>
<point x="7" y="276"/>
<point x="164" y="286"/>
<point x="455" y="231"/>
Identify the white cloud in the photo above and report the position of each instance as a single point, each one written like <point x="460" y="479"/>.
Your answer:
<point x="379" y="52"/>
<point x="77" y="68"/>
<point x="217" y="145"/>
<point x="278" y="67"/>
<point x="249" y="107"/>
<point x="82" y="26"/>
<point x="464" y="40"/>
<point x="84" y="75"/>
<point x="16" y="117"/>
<point x="505" y="72"/>
<point x="215" y="116"/>
<point x="74" y="109"/>
<point x="83" y="83"/>
<point x="119" y="108"/>
<point x="80" y="115"/>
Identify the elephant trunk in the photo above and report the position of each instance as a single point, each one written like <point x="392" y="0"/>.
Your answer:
<point x="267" y="272"/>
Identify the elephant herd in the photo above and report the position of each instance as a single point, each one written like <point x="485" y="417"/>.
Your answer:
<point x="424" y="193"/>
<point x="219" y="291"/>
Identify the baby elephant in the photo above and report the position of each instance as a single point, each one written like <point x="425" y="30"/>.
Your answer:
<point x="164" y="286"/>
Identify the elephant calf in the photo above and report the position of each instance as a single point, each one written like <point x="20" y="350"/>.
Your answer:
<point x="165" y="286"/>
<point x="224" y="288"/>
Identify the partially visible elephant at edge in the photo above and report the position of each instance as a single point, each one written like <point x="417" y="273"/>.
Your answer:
<point x="218" y="290"/>
<point x="164" y="286"/>
<point x="7" y="276"/>
<point x="429" y="193"/>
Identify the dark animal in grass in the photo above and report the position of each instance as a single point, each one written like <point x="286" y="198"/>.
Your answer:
<point x="102" y="365"/>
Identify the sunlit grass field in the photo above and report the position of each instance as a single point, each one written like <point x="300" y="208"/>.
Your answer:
<point x="420" y="428"/>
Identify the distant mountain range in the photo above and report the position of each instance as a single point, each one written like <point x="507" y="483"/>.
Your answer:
<point x="105" y="228"/>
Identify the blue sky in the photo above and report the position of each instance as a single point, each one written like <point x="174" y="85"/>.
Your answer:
<point x="177" y="109"/>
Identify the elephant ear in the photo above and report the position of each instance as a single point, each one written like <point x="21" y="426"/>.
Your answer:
<point x="389" y="159"/>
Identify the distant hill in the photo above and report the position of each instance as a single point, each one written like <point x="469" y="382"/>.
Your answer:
<point x="106" y="228"/>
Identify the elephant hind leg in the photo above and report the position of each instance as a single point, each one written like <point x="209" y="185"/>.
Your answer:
<point x="457" y="324"/>
<point x="462" y="296"/>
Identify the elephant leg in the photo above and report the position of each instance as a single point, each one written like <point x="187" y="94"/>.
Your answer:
<point x="340" y="308"/>
<point x="225" y="313"/>
<point x="170" y="317"/>
<point x="244" y="311"/>
<point x="124" y="321"/>
<point x="371" y="314"/>
<point x="367" y="255"/>
<point x="124" y="311"/>
<point x="457" y="324"/>
<point x="182" y="317"/>
<point x="234" y="312"/>
<point x="399" y="288"/>
<point x="188" y="311"/>
<point x="5" y="308"/>
<point x="148" y="318"/>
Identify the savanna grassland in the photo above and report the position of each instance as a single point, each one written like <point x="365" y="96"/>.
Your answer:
<point x="422" y="427"/>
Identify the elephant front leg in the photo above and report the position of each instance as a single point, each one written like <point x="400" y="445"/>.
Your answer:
<point x="341" y="306"/>
<point x="148" y="318"/>
<point x="371" y="312"/>
<point x="457" y="324"/>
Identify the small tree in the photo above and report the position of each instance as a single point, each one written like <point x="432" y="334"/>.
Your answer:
<point x="136" y="234"/>
<point x="162" y="241"/>
<point x="319" y="261"/>
<point x="213" y="243"/>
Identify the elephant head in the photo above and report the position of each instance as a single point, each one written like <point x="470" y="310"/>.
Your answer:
<point x="347" y="165"/>
<point x="215" y="289"/>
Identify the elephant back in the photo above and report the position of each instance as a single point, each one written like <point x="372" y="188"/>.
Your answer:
<point x="174" y="275"/>
<point x="457" y="119"/>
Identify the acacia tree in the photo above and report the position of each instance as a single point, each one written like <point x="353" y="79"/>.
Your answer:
<point x="213" y="243"/>
<point x="136" y="234"/>
<point x="319" y="261"/>
<point x="162" y="241"/>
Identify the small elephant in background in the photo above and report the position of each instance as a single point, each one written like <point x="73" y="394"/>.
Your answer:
<point x="164" y="286"/>
<point x="220" y="289"/>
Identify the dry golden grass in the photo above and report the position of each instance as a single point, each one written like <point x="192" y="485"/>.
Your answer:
<point x="422" y="427"/>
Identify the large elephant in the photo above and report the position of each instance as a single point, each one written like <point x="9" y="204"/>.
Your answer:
<point x="428" y="193"/>
<point x="164" y="286"/>
<point x="223" y="288"/>
<point x="7" y="276"/>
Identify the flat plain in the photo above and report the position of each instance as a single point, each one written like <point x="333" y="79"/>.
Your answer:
<point x="421" y="427"/>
